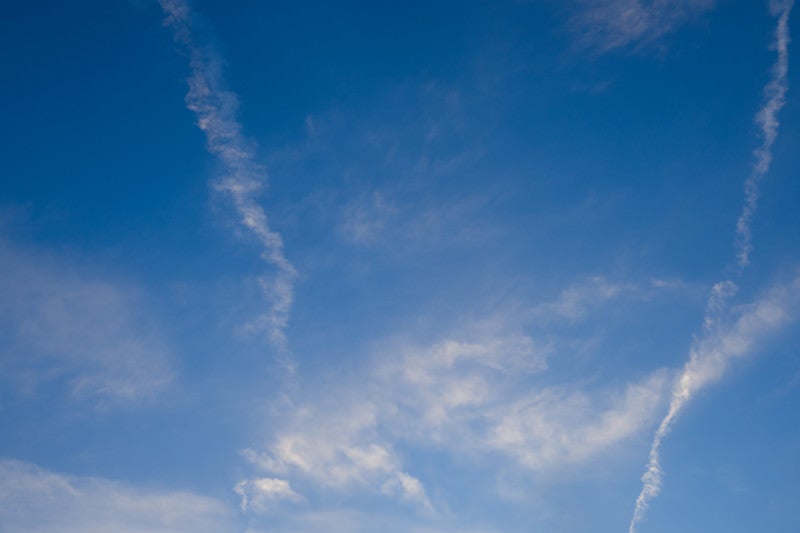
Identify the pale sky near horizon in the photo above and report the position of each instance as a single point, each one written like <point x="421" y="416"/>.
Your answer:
<point x="399" y="266"/>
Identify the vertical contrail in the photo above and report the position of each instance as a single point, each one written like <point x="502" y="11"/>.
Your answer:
<point x="215" y="107"/>
<point x="767" y="120"/>
<point x="710" y="354"/>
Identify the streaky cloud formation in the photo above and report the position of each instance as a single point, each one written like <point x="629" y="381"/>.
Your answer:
<point x="466" y="394"/>
<point x="612" y="24"/>
<point x="215" y="107"/>
<point x="767" y="120"/>
<point x="36" y="500"/>
<point x="258" y="493"/>
<point x="729" y="333"/>
<point x="720" y="343"/>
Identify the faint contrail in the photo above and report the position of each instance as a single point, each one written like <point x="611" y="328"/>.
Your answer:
<point x="767" y="120"/>
<point x="215" y="107"/>
<point x="710" y="354"/>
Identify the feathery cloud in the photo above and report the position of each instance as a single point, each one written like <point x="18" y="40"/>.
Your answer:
<point x="468" y="396"/>
<point x="33" y="500"/>
<point x="767" y="121"/>
<point x="64" y="324"/>
<point x="729" y="334"/>
<point x="611" y="24"/>
<point x="215" y="107"/>
<point x="718" y="345"/>
<point x="258" y="493"/>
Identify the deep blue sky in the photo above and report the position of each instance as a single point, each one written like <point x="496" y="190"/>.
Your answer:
<point x="491" y="237"/>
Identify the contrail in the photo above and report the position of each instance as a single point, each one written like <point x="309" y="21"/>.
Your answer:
<point x="215" y="107"/>
<point x="711" y="353"/>
<point x="767" y="120"/>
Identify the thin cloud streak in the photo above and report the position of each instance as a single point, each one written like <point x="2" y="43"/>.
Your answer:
<point x="612" y="24"/>
<point x="37" y="500"/>
<point x="767" y="120"/>
<point x="464" y="395"/>
<point x="711" y="354"/>
<point x="722" y="342"/>
<point x="215" y="107"/>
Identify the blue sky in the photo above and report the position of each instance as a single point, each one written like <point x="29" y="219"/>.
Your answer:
<point x="427" y="267"/>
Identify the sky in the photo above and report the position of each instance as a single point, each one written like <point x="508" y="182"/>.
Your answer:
<point x="400" y="266"/>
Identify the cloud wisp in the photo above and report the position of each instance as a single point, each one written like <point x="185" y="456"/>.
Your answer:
<point x="729" y="334"/>
<point x="215" y="107"/>
<point x="611" y="24"/>
<point x="721" y="343"/>
<point x="468" y="394"/>
<point x="767" y="120"/>
<point x="63" y="324"/>
<point x="35" y="500"/>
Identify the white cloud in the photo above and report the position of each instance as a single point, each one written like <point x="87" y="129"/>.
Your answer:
<point x="554" y="427"/>
<point x="578" y="299"/>
<point x="767" y="120"/>
<point x="61" y="323"/>
<point x="737" y="332"/>
<point x="34" y="500"/>
<point x="467" y="394"/>
<point x="215" y="107"/>
<point x="610" y="24"/>
<point x="257" y="494"/>
<point x="723" y="342"/>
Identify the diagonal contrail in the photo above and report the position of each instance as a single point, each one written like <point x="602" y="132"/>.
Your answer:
<point x="712" y="352"/>
<point x="215" y="107"/>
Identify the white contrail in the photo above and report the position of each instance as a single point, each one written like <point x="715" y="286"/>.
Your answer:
<point x="767" y="120"/>
<point x="215" y="107"/>
<point x="711" y="353"/>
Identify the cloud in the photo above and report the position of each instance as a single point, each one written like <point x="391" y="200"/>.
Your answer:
<point x="383" y="220"/>
<point x="611" y="24"/>
<point x="471" y="394"/>
<point x="215" y="107"/>
<point x="576" y="300"/>
<point x="34" y="500"/>
<point x="732" y="334"/>
<point x="557" y="427"/>
<point x="340" y="450"/>
<point x="767" y="121"/>
<point x="258" y="493"/>
<point x="722" y="343"/>
<point x="365" y="219"/>
<point x="64" y="324"/>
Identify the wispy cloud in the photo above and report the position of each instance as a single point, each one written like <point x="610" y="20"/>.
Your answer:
<point x="466" y="394"/>
<point x="65" y="324"/>
<point x="575" y="301"/>
<point x="33" y="500"/>
<point x="611" y="24"/>
<point x="729" y="334"/>
<point x="721" y="343"/>
<point x="257" y="494"/>
<point x="216" y="107"/>
<point x="767" y="120"/>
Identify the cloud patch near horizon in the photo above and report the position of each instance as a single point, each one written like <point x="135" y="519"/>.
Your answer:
<point x="34" y="500"/>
